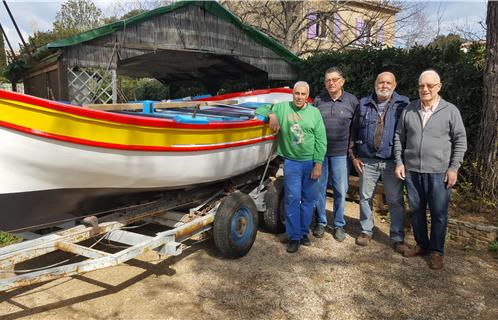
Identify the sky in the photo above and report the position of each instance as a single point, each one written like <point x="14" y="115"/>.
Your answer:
<point x="38" y="15"/>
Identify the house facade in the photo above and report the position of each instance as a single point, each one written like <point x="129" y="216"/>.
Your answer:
<point x="307" y="27"/>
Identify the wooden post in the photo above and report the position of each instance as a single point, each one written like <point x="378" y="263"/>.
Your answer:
<point x="114" y="86"/>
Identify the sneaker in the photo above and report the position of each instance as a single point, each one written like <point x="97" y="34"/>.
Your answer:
<point x="363" y="239"/>
<point x="415" y="251"/>
<point x="400" y="247"/>
<point x="319" y="231"/>
<point x="305" y="241"/>
<point x="436" y="261"/>
<point x="339" y="234"/>
<point x="293" y="246"/>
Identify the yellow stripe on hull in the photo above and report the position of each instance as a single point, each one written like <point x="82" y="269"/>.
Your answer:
<point x="46" y="120"/>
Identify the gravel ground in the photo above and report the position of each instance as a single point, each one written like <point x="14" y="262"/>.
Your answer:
<point x="328" y="280"/>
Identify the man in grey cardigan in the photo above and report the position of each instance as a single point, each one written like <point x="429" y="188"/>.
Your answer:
<point x="429" y="146"/>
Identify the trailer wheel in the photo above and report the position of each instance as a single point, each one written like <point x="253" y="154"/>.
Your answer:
<point x="274" y="216"/>
<point x="235" y="225"/>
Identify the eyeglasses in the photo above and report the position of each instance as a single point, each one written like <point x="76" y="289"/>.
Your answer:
<point x="334" y="80"/>
<point x="429" y="86"/>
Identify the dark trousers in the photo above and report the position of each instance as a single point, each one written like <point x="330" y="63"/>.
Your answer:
<point x="428" y="189"/>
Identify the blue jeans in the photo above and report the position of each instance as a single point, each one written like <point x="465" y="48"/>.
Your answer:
<point x="300" y="193"/>
<point x="335" y="171"/>
<point x="428" y="189"/>
<point x="393" y="190"/>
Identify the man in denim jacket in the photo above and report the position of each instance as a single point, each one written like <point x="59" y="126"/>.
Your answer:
<point x="371" y="151"/>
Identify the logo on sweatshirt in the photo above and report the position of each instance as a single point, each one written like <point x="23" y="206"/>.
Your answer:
<point x="297" y="134"/>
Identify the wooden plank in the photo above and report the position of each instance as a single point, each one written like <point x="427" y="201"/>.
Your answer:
<point x="115" y="106"/>
<point x="162" y="105"/>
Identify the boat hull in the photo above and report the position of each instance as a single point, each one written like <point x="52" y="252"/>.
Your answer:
<point x="45" y="181"/>
<point x="58" y="161"/>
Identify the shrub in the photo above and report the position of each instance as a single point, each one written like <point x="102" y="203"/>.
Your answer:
<point x="461" y="74"/>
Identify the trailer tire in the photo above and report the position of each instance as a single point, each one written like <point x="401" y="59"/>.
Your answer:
<point x="274" y="215"/>
<point x="235" y="225"/>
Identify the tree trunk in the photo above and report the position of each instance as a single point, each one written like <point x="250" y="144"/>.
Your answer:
<point x="487" y="145"/>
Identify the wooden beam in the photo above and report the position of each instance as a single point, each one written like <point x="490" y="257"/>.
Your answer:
<point x="162" y="105"/>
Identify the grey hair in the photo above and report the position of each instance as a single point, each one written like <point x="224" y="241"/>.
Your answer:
<point x="336" y="70"/>
<point x="301" y="84"/>
<point x="431" y="72"/>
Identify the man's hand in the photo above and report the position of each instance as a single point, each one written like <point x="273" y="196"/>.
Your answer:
<point x="450" y="178"/>
<point x="316" y="172"/>
<point x="400" y="171"/>
<point x="358" y="165"/>
<point x="274" y="124"/>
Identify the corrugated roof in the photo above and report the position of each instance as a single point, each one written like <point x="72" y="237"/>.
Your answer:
<point x="212" y="7"/>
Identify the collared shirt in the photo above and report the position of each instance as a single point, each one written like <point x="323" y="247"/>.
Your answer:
<point x="382" y="107"/>
<point x="427" y="112"/>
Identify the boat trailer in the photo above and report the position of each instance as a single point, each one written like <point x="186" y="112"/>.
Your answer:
<point x="230" y="211"/>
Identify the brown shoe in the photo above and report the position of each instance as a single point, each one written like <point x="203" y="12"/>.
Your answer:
<point x="363" y="239"/>
<point x="436" y="262"/>
<point x="401" y="247"/>
<point x="415" y="251"/>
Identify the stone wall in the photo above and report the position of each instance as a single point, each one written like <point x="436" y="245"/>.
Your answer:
<point x="475" y="235"/>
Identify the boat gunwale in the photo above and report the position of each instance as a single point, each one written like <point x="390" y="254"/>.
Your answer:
<point x="132" y="119"/>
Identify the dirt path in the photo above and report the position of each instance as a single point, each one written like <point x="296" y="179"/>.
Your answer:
<point x="329" y="280"/>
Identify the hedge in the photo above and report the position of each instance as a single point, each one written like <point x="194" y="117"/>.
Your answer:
<point x="461" y="74"/>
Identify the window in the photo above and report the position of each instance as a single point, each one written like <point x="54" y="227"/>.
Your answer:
<point x="360" y="31"/>
<point x="337" y="27"/>
<point x="318" y="25"/>
<point x="381" y="36"/>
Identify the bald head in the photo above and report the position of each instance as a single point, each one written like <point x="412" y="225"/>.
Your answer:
<point x="385" y="83"/>
<point x="429" y="85"/>
<point x="386" y="74"/>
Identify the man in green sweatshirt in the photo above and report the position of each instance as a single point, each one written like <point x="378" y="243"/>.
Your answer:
<point x="302" y="142"/>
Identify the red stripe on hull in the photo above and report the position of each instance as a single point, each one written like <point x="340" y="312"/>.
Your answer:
<point x="122" y="118"/>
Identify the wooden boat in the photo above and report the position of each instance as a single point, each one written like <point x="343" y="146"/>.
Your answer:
<point x="58" y="161"/>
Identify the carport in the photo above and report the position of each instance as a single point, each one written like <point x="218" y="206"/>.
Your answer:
<point x="184" y="42"/>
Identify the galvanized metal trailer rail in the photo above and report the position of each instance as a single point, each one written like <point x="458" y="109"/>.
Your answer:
<point x="232" y="215"/>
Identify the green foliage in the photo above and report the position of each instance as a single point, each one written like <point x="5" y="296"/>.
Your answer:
<point x="76" y="16"/>
<point x="41" y="38"/>
<point x="493" y="248"/>
<point x="144" y="89"/>
<point x="467" y="197"/>
<point x="443" y="41"/>
<point x="7" y="238"/>
<point x="461" y="74"/>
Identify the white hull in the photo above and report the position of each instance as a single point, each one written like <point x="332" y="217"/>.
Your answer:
<point x="30" y="163"/>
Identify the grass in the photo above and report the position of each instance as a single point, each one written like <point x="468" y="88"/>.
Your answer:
<point x="493" y="248"/>
<point x="7" y="238"/>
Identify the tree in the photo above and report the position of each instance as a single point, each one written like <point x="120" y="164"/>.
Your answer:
<point x="442" y="41"/>
<point x="3" y="55"/>
<point x="307" y="27"/>
<point x="129" y="8"/>
<point x="487" y="144"/>
<point x="76" y="16"/>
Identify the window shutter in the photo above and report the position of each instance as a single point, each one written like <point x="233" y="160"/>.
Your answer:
<point x="312" y="28"/>
<point x="360" y="24"/>
<point x="337" y="26"/>
<point x="381" y="37"/>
